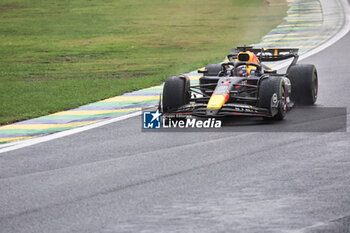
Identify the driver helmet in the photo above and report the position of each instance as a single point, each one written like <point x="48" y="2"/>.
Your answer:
<point x="242" y="71"/>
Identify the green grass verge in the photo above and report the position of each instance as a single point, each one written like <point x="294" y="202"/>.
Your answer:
<point x="57" y="55"/>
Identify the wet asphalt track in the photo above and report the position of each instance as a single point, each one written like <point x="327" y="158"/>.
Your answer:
<point x="117" y="179"/>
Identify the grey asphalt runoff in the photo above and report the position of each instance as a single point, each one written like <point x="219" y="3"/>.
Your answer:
<point x="116" y="178"/>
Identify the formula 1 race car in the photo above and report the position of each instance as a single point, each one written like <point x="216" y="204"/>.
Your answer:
<point x="243" y="86"/>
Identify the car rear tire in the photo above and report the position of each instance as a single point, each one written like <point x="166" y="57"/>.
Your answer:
<point x="175" y="93"/>
<point x="273" y="95"/>
<point x="213" y="69"/>
<point x="304" y="83"/>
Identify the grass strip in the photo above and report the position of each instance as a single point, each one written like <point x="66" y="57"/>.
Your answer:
<point x="57" y="55"/>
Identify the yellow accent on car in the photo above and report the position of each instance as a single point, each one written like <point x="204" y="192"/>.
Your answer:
<point x="216" y="102"/>
<point x="248" y="57"/>
<point x="201" y="70"/>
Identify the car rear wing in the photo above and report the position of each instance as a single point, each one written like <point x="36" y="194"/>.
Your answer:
<point x="268" y="54"/>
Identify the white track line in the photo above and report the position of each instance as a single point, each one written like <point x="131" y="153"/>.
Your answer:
<point x="21" y="144"/>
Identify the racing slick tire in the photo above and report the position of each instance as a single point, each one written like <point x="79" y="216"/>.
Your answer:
<point x="176" y="93"/>
<point x="304" y="83"/>
<point x="213" y="69"/>
<point x="273" y="96"/>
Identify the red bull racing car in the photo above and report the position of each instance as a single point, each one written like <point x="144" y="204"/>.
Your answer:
<point x="243" y="86"/>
